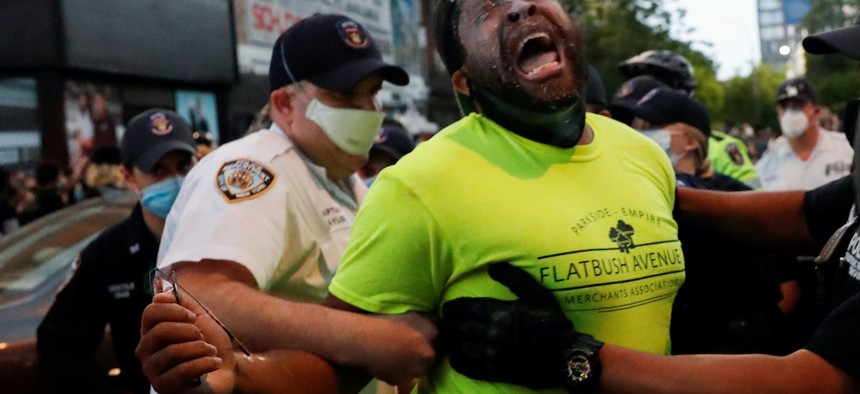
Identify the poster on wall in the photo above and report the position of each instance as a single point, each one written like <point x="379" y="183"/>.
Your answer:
<point x="199" y="109"/>
<point x="20" y="136"/>
<point x="260" y="22"/>
<point x="93" y="120"/>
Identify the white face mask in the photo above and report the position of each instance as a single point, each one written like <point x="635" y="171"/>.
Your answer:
<point x="664" y="139"/>
<point x="352" y="130"/>
<point x="793" y="123"/>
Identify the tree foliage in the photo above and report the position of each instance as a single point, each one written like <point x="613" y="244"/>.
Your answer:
<point x="615" y="30"/>
<point x="836" y="77"/>
<point x="827" y="15"/>
<point x="752" y="98"/>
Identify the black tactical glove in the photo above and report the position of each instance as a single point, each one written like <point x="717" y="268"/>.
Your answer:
<point x="520" y="342"/>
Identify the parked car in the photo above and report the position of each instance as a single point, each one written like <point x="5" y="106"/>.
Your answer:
<point x="35" y="262"/>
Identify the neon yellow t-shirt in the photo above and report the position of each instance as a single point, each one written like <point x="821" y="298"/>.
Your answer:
<point x="592" y="223"/>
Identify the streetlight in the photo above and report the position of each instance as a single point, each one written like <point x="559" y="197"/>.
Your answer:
<point x="784" y="50"/>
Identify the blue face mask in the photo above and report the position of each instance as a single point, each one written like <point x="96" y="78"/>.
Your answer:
<point x="661" y="137"/>
<point x="664" y="139"/>
<point x="369" y="181"/>
<point x="158" y="197"/>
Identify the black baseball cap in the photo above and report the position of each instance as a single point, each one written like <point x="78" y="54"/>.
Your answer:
<point x="796" y="88"/>
<point x="629" y="94"/>
<point x="331" y="51"/>
<point x="844" y="40"/>
<point x="394" y="141"/>
<point x="595" y="93"/>
<point x="151" y="134"/>
<point x="663" y="106"/>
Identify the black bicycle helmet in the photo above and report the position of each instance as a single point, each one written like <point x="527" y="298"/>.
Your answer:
<point x="666" y="66"/>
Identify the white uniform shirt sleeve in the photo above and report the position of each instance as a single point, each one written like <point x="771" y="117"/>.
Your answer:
<point x="204" y="225"/>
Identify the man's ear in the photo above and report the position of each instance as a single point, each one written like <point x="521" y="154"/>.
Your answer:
<point x="128" y="178"/>
<point x="460" y="82"/>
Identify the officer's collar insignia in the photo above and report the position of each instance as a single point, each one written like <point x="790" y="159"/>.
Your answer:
<point x="353" y="35"/>
<point x="243" y="179"/>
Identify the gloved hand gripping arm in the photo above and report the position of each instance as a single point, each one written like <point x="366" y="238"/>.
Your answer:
<point x="527" y="341"/>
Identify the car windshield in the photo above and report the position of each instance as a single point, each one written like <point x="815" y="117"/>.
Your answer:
<point x="43" y="249"/>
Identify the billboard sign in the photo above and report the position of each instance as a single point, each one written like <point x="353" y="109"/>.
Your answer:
<point x="260" y="22"/>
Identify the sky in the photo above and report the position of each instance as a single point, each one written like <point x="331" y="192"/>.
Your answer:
<point x="730" y="26"/>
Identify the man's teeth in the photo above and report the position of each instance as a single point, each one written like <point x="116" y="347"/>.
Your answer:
<point x="532" y="37"/>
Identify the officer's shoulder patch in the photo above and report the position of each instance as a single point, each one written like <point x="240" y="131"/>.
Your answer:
<point x="243" y="179"/>
<point x="735" y="153"/>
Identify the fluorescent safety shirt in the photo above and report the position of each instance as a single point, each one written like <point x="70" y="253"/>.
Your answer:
<point x="781" y="169"/>
<point x="259" y="202"/>
<point x="592" y="223"/>
<point x="729" y="156"/>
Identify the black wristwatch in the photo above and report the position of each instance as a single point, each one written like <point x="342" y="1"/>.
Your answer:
<point x="581" y="365"/>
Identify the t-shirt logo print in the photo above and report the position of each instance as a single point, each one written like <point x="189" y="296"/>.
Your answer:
<point x="622" y="234"/>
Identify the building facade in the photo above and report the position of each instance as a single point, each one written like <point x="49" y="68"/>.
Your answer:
<point x="780" y="33"/>
<point x="73" y="72"/>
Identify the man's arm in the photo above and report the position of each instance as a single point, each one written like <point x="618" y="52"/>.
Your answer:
<point x="773" y="220"/>
<point x="630" y="371"/>
<point x="392" y="351"/>
<point x="380" y="367"/>
<point x="531" y="326"/>
<point x="185" y="351"/>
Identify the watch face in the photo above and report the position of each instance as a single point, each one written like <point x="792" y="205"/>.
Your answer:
<point x="578" y="368"/>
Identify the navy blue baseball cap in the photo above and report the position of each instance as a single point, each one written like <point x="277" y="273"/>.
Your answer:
<point x="629" y="94"/>
<point x="151" y="134"/>
<point x="595" y="93"/>
<point x="664" y="106"/>
<point x="394" y="141"/>
<point x="331" y="51"/>
<point x="796" y="88"/>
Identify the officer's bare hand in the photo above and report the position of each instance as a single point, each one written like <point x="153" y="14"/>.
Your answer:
<point x="406" y="352"/>
<point x="184" y="351"/>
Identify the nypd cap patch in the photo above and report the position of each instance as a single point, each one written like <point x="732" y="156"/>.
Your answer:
<point x="242" y="179"/>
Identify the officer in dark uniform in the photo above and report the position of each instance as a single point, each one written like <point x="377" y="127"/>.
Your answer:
<point x="110" y="283"/>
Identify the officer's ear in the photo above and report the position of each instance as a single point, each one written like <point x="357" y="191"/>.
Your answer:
<point x="281" y="100"/>
<point x="128" y="178"/>
<point x="281" y="107"/>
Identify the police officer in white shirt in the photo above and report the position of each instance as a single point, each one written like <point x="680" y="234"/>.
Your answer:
<point x="263" y="221"/>
<point x="806" y="156"/>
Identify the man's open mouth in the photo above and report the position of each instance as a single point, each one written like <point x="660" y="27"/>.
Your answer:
<point x="538" y="56"/>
